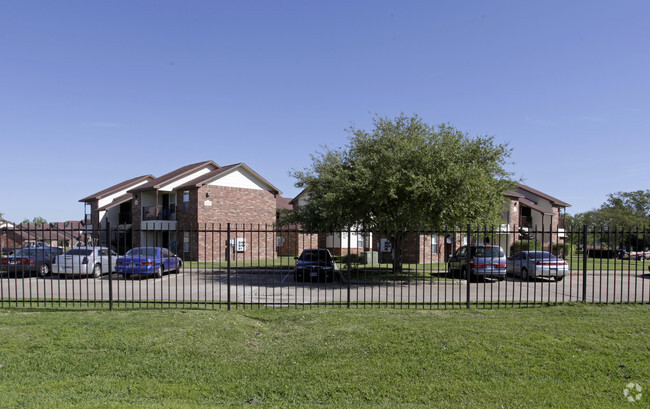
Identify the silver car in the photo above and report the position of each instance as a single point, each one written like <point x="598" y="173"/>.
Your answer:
<point x="537" y="264"/>
<point x="90" y="261"/>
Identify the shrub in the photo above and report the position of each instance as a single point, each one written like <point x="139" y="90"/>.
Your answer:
<point x="563" y="249"/>
<point x="525" y="245"/>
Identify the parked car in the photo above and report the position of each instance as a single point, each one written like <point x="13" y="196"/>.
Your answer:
<point x="315" y="265"/>
<point x="26" y="261"/>
<point x="485" y="260"/>
<point x="6" y="251"/>
<point x="148" y="261"/>
<point x="634" y="255"/>
<point x="85" y="260"/>
<point x="537" y="264"/>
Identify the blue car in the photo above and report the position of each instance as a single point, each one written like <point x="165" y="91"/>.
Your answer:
<point x="148" y="261"/>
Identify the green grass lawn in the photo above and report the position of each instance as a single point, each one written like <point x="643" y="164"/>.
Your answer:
<point x="569" y="356"/>
<point x="610" y="264"/>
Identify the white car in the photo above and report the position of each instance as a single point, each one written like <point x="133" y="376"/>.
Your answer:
<point x="86" y="260"/>
<point x="537" y="264"/>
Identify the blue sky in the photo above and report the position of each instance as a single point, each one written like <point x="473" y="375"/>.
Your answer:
<point x="97" y="92"/>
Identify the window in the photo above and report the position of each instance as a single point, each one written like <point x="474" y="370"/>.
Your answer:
<point x="434" y="244"/>
<point x="186" y="200"/>
<point x="186" y="241"/>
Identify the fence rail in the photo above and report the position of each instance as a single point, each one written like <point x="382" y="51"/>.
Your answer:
<point x="236" y="266"/>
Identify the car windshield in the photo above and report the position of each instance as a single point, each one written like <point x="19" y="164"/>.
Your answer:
<point x="315" y="256"/>
<point x="141" y="252"/>
<point x="539" y="255"/>
<point x="78" y="252"/>
<point x="488" y="252"/>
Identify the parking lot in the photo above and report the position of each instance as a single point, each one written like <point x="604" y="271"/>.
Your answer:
<point x="277" y="287"/>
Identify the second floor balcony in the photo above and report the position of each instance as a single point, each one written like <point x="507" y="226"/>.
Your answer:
<point x="525" y="221"/>
<point x="159" y="213"/>
<point x="124" y="218"/>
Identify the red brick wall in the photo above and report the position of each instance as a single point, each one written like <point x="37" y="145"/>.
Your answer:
<point x="295" y="242"/>
<point x="251" y="214"/>
<point x="136" y="215"/>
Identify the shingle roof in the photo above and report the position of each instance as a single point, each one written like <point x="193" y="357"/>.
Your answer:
<point x="118" y="200"/>
<point x="173" y="175"/>
<point x="536" y="192"/>
<point x="116" y="188"/>
<point x="533" y="205"/>
<point x="283" y="203"/>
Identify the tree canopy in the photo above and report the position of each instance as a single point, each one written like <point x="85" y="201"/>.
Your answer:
<point x="405" y="172"/>
<point x="620" y="210"/>
<point x="37" y="221"/>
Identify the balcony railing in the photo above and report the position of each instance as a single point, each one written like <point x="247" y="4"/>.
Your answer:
<point x="159" y="213"/>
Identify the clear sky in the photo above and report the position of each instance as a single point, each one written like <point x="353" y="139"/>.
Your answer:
<point x="96" y="92"/>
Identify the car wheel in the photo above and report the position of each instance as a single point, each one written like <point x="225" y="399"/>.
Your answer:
<point x="160" y="271"/>
<point x="450" y="271"/>
<point x="524" y="274"/>
<point x="559" y="278"/>
<point x="178" y="267"/>
<point x="463" y="274"/>
<point x="44" y="271"/>
<point x="97" y="271"/>
<point x="127" y="275"/>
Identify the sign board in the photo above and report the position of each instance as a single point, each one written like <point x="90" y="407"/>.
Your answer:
<point x="385" y="246"/>
<point x="238" y="244"/>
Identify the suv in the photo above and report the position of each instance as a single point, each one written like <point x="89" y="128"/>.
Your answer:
<point x="485" y="260"/>
<point x="315" y="265"/>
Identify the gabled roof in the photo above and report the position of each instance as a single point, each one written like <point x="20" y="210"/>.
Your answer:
<point x="537" y="193"/>
<point x="297" y="198"/>
<point x="5" y="223"/>
<point x="67" y="225"/>
<point x="116" y="188"/>
<point x="184" y="171"/>
<point x="117" y="201"/>
<point x="533" y="205"/>
<point x="283" y="203"/>
<point x="221" y="172"/>
<point x="512" y="193"/>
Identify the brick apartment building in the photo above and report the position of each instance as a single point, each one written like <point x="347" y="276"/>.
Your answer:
<point x="188" y="209"/>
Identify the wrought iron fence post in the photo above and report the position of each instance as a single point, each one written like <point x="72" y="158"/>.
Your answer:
<point x="585" y="254"/>
<point x="349" y="262"/>
<point x="228" y="250"/>
<point x="110" y="265"/>
<point x="468" y="268"/>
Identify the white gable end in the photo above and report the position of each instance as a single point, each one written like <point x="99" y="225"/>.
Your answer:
<point x="181" y="181"/>
<point x="241" y="179"/>
<point x="108" y="199"/>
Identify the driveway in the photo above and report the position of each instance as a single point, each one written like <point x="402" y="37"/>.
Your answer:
<point x="277" y="287"/>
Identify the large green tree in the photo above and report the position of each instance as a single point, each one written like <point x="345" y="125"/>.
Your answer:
<point x="620" y="210"/>
<point x="404" y="173"/>
<point x="624" y="216"/>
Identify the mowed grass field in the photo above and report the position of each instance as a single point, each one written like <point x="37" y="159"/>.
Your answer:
<point x="567" y="356"/>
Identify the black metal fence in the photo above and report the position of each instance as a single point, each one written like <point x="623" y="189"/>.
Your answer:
<point x="235" y="266"/>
